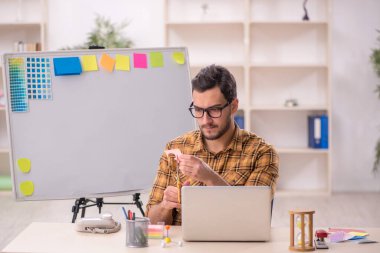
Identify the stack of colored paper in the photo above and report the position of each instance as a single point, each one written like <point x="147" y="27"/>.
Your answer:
<point x="156" y="231"/>
<point x="344" y="234"/>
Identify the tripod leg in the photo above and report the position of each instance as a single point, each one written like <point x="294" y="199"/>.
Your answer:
<point x="99" y="203"/>
<point x="75" y="209"/>
<point x="138" y="203"/>
<point x="84" y="202"/>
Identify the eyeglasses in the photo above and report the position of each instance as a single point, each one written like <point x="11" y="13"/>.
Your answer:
<point x="212" y="112"/>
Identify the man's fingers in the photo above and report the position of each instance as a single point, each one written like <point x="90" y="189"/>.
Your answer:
<point x="184" y="157"/>
<point x="171" y="194"/>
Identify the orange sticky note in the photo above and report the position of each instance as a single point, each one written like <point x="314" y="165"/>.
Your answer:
<point x="107" y="62"/>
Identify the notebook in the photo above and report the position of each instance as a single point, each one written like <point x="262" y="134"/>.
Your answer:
<point x="226" y="213"/>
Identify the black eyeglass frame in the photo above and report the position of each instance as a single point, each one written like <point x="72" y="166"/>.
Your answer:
<point x="221" y="108"/>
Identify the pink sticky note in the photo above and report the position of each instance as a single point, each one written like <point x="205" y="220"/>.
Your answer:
<point x="140" y="61"/>
<point x="175" y="152"/>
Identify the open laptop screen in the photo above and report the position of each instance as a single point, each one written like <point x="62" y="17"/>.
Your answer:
<point x="226" y="213"/>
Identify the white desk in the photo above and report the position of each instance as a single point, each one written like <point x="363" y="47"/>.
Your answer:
<point x="61" y="237"/>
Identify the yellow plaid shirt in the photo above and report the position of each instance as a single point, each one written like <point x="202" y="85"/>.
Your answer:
<point x="247" y="160"/>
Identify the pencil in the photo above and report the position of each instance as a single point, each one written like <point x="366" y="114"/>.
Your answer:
<point x="125" y="213"/>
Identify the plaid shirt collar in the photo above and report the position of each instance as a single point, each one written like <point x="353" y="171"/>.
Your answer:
<point x="235" y="144"/>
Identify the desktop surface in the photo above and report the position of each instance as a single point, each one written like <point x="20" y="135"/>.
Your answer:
<point x="62" y="237"/>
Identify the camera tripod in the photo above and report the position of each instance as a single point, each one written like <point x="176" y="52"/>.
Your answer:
<point x="82" y="203"/>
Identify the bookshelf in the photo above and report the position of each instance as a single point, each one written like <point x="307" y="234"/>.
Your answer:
<point x="274" y="56"/>
<point x="22" y="28"/>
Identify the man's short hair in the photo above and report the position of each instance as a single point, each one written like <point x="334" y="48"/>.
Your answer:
<point x="214" y="75"/>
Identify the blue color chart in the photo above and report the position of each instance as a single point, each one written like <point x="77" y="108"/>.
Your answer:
<point x="38" y="78"/>
<point x="18" y="95"/>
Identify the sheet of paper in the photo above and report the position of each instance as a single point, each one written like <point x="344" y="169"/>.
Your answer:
<point x="27" y="188"/>
<point x="107" y="62"/>
<point x="347" y="230"/>
<point x="122" y="62"/>
<point x="24" y="165"/>
<point x="139" y="61"/>
<point x="358" y="233"/>
<point x="179" y="57"/>
<point x="175" y="152"/>
<point x="156" y="59"/>
<point x="89" y="63"/>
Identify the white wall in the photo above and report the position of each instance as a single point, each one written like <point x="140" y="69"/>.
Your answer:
<point x="69" y="21"/>
<point x="356" y="109"/>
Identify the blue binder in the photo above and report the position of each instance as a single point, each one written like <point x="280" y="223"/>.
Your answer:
<point x="318" y="131"/>
<point x="240" y="121"/>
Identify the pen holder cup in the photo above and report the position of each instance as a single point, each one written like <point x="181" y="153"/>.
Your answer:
<point x="137" y="232"/>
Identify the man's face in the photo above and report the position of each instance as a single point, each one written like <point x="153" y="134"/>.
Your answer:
<point x="213" y="128"/>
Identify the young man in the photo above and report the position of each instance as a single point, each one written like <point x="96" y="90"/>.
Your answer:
<point x="219" y="153"/>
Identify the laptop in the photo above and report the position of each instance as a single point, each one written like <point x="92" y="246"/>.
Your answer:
<point x="226" y="213"/>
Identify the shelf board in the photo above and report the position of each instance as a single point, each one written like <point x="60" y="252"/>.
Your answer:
<point x="287" y="65"/>
<point x="206" y="23"/>
<point x="4" y="150"/>
<point x="20" y="24"/>
<point x="301" y="192"/>
<point x="283" y="108"/>
<point x="300" y="151"/>
<point x="280" y="23"/>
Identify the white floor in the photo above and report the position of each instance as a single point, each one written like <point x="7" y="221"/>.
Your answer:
<point x="339" y="210"/>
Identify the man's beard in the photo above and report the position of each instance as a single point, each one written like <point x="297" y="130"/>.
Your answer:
<point x="219" y="133"/>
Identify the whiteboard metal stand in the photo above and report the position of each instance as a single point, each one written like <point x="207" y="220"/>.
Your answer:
<point x="81" y="203"/>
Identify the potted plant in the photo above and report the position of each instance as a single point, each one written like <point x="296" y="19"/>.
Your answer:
<point x="105" y="34"/>
<point x="375" y="59"/>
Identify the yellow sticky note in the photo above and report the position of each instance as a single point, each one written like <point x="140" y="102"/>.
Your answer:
<point x="27" y="188"/>
<point x="122" y="62"/>
<point x="89" y="63"/>
<point x="24" y="165"/>
<point x="107" y="62"/>
<point x="179" y="57"/>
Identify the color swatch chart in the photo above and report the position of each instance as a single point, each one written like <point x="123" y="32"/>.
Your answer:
<point x="38" y="78"/>
<point x="18" y="95"/>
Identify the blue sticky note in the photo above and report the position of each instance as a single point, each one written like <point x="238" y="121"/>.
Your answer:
<point x="67" y="66"/>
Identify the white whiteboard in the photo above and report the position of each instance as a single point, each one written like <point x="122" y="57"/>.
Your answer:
<point x="102" y="133"/>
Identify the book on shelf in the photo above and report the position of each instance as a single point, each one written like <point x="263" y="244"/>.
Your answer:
<point x="239" y="119"/>
<point x="21" y="46"/>
<point x="318" y="131"/>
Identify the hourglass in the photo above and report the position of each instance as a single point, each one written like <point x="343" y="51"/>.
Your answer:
<point x="301" y="231"/>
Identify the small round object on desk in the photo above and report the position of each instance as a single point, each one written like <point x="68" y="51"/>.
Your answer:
<point x="167" y="240"/>
<point x="163" y="244"/>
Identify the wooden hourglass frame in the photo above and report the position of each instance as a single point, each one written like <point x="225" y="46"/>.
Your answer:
<point x="302" y="246"/>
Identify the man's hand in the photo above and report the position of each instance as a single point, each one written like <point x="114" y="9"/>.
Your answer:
<point x="196" y="169"/>
<point x="170" y="199"/>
